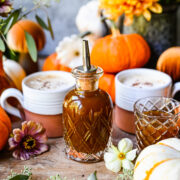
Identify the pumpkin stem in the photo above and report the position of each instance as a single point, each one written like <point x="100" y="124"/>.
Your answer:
<point x="114" y="29"/>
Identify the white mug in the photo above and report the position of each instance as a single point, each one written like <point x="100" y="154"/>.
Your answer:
<point x="127" y="95"/>
<point x="39" y="105"/>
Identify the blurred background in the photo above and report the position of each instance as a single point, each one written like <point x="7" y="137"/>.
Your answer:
<point x="62" y="15"/>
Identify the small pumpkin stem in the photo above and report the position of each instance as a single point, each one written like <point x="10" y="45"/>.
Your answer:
<point x="114" y="29"/>
<point x="115" y="32"/>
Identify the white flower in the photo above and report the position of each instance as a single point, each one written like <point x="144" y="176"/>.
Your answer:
<point x="69" y="51"/>
<point x="119" y="157"/>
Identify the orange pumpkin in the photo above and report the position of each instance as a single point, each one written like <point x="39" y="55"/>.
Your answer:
<point x="5" y="128"/>
<point x="118" y="52"/>
<point x="169" y="62"/>
<point x="106" y="82"/>
<point x="52" y="63"/>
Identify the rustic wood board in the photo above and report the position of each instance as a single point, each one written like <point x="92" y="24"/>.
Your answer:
<point x="55" y="162"/>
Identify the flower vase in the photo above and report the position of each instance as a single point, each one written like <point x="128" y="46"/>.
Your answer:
<point x="160" y="32"/>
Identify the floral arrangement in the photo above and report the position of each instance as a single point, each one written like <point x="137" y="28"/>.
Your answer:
<point x="114" y="9"/>
<point x="11" y="16"/>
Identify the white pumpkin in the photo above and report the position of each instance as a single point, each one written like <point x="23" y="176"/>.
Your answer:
<point x="159" y="162"/>
<point x="88" y="19"/>
<point x="14" y="71"/>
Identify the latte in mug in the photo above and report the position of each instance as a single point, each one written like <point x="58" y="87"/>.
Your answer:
<point x="48" y="82"/>
<point x="142" y="81"/>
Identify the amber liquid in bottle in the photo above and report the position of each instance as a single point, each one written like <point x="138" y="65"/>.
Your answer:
<point x="87" y="115"/>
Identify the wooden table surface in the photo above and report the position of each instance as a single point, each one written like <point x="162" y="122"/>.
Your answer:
<point x="55" y="162"/>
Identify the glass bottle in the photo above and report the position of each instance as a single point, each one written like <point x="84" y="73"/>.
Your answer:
<point x="87" y="114"/>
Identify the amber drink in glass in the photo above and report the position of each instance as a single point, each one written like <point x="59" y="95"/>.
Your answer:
<point x="156" y="118"/>
<point x="87" y="114"/>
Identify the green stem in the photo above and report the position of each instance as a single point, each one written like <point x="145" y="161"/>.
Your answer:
<point x="31" y="10"/>
<point x="3" y="37"/>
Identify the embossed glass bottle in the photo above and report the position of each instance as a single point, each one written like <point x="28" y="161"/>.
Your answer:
<point x="87" y="114"/>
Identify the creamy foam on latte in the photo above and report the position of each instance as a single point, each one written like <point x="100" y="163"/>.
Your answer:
<point x="47" y="82"/>
<point x="142" y="81"/>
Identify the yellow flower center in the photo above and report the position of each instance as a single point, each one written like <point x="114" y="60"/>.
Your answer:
<point x="121" y="156"/>
<point x="29" y="142"/>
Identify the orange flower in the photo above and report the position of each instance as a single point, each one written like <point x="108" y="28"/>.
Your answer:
<point x="115" y="8"/>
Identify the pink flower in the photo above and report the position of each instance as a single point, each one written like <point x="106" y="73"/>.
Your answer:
<point x="28" y="141"/>
<point x="5" y="7"/>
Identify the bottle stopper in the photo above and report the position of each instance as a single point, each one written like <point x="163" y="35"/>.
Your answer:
<point x="87" y="67"/>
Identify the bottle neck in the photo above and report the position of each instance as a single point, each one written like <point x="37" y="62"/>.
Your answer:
<point x="87" y="84"/>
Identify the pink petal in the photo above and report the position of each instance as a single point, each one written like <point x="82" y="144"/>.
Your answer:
<point x="18" y="135"/>
<point x="34" y="128"/>
<point x="16" y="154"/>
<point x="12" y="143"/>
<point x="41" y="148"/>
<point x="20" y="154"/>
<point x="17" y="131"/>
<point x="24" y="155"/>
<point x="41" y="138"/>
<point x="5" y="9"/>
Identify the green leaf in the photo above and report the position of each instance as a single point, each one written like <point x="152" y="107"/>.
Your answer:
<point x="41" y="23"/>
<point x="92" y="176"/>
<point x="50" y="28"/>
<point x="16" y="14"/>
<point x="57" y="177"/>
<point x="20" y="177"/>
<point x="2" y="45"/>
<point x="31" y="46"/>
<point x="8" y="26"/>
<point x="11" y="20"/>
